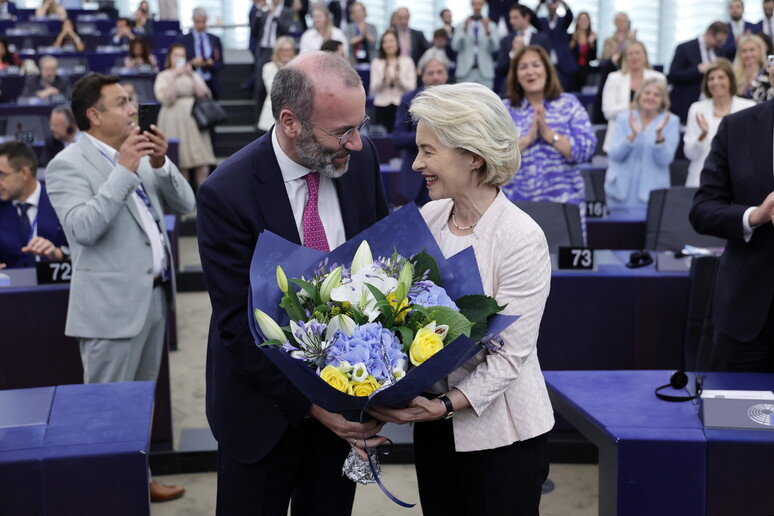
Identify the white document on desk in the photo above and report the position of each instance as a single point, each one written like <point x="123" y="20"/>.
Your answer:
<point x="737" y="395"/>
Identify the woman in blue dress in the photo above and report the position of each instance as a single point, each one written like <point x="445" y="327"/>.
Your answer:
<point x="642" y="148"/>
<point x="555" y="132"/>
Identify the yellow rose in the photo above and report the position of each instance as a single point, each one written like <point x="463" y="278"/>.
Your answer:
<point x="392" y="298"/>
<point x="366" y="387"/>
<point x="426" y="344"/>
<point x="336" y="379"/>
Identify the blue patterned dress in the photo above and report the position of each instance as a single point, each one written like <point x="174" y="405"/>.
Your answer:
<point x="546" y="175"/>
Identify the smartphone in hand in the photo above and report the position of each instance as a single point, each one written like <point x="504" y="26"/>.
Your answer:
<point x="148" y="114"/>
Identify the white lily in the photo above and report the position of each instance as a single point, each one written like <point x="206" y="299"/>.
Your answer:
<point x="282" y="280"/>
<point x="359" y="372"/>
<point x="269" y="328"/>
<point x="362" y="257"/>
<point x="341" y="322"/>
<point x="358" y="295"/>
<point x="331" y="281"/>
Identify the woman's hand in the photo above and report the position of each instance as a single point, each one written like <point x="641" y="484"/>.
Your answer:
<point x="634" y="126"/>
<point x="531" y="135"/>
<point x="544" y="131"/>
<point x="703" y="125"/>
<point x="660" y="128"/>
<point x="419" y="409"/>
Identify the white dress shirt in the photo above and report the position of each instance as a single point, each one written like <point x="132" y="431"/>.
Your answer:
<point x="149" y="225"/>
<point x="328" y="207"/>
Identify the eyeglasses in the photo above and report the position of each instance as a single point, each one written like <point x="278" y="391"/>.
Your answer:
<point x="344" y="138"/>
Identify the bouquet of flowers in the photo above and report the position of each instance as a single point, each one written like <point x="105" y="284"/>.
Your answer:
<point x="346" y="326"/>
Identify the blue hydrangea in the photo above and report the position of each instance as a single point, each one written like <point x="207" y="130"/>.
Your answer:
<point x="426" y="293"/>
<point x="365" y="345"/>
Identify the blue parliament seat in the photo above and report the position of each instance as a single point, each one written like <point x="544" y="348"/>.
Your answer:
<point x="76" y="449"/>
<point x="655" y="457"/>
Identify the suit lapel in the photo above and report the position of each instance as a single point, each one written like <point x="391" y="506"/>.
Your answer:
<point x="271" y="195"/>
<point x="761" y="135"/>
<point x="345" y="193"/>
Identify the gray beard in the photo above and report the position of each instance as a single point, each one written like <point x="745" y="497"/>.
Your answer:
<point x="317" y="157"/>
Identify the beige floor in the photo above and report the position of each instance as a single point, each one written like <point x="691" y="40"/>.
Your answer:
<point x="575" y="494"/>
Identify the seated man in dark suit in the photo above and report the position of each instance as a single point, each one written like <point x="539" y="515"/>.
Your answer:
<point x="64" y="131"/>
<point x="29" y="227"/>
<point x="689" y="63"/>
<point x="48" y="83"/>
<point x="523" y="34"/>
<point x="433" y="69"/>
<point x="204" y="51"/>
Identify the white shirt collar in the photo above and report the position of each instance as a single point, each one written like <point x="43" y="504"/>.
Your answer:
<point x="34" y="198"/>
<point x="103" y="148"/>
<point x="289" y="168"/>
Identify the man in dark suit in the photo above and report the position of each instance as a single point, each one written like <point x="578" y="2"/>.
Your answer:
<point x="689" y="63"/>
<point x="29" y="227"/>
<point x="64" y="131"/>
<point x="555" y="27"/>
<point x="520" y="18"/>
<point x="122" y="33"/>
<point x="47" y="83"/>
<point x="340" y="11"/>
<point x="737" y="27"/>
<point x="766" y="25"/>
<point x="736" y="201"/>
<point x="433" y="69"/>
<point x="269" y="24"/>
<point x="8" y="10"/>
<point x="412" y="42"/>
<point x="272" y="443"/>
<point x="204" y="51"/>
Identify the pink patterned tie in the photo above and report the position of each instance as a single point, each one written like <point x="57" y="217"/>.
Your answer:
<point x="314" y="232"/>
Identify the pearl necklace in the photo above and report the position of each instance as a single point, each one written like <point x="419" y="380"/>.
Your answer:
<point x="461" y="228"/>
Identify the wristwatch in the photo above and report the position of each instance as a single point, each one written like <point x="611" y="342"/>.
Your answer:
<point x="449" y="407"/>
<point x="554" y="138"/>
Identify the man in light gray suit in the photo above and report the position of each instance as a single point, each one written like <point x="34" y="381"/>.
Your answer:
<point x="474" y="41"/>
<point x="110" y="190"/>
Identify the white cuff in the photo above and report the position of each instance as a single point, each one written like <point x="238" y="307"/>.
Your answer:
<point x="747" y="231"/>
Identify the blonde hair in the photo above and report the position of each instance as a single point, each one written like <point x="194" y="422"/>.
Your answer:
<point x="662" y="86"/>
<point x="739" y="66"/>
<point x="625" y="62"/>
<point x="471" y="117"/>
<point x="282" y="41"/>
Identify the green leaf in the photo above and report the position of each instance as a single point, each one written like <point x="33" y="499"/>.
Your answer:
<point x="271" y="342"/>
<point x="310" y="289"/>
<point x="458" y="324"/>
<point x="478" y="308"/>
<point x="424" y="262"/>
<point x="406" y="336"/>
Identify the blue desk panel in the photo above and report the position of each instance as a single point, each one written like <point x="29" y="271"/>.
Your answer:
<point x="622" y="228"/>
<point x="655" y="457"/>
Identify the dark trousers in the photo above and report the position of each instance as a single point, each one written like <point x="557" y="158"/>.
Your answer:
<point x="498" y="482"/>
<point x="305" y="466"/>
<point x="755" y="356"/>
<point x="385" y="116"/>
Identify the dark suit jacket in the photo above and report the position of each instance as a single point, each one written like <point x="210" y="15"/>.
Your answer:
<point x="12" y="10"/>
<point x="729" y="49"/>
<point x="249" y="401"/>
<point x="499" y="9"/>
<point x="685" y="77"/>
<point x="50" y="149"/>
<point x="506" y="45"/>
<point x="419" y="44"/>
<point x="335" y="8"/>
<point x="258" y="25"/>
<point x="187" y="40"/>
<point x="34" y="84"/>
<point x="11" y="240"/>
<point x="560" y="41"/>
<point x="737" y="174"/>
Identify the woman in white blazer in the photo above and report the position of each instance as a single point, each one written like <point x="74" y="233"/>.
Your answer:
<point x="491" y="457"/>
<point x="719" y="86"/>
<point x="621" y="86"/>
<point x="392" y="76"/>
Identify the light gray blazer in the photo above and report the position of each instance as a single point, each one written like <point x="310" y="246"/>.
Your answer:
<point x="463" y="43"/>
<point x="112" y="281"/>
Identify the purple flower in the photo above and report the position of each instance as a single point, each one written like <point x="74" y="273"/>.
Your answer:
<point x="370" y="344"/>
<point x="426" y="293"/>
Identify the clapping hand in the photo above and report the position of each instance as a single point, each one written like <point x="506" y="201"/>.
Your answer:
<point x="660" y="128"/>
<point x="703" y="125"/>
<point x="542" y="127"/>
<point x="634" y="126"/>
